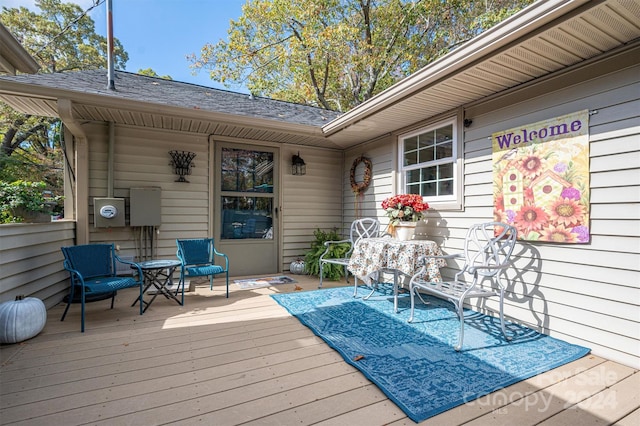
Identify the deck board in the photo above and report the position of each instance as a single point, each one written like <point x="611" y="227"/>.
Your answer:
<point x="245" y="360"/>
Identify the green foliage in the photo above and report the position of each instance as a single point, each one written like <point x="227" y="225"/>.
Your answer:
<point x="338" y="53"/>
<point x="311" y="258"/>
<point x="151" y="73"/>
<point x="23" y="196"/>
<point x="61" y="37"/>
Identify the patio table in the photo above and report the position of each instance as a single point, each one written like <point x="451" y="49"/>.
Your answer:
<point x="373" y="255"/>
<point x="159" y="274"/>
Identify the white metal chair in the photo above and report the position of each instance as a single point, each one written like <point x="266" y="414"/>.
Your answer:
<point x="360" y="228"/>
<point x="487" y="252"/>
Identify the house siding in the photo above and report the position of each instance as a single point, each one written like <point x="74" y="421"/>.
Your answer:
<point x="584" y="293"/>
<point x="31" y="260"/>
<point x="309" y="202"/>
<point x="588" y="294"/>
<point x="141" y="159"/>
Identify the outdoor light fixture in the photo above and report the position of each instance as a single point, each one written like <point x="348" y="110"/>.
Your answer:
<point x="298" y="167"/>
<point x="181" y="162"/>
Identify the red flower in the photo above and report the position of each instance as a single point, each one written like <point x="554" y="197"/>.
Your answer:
<point x="404" y="207"/>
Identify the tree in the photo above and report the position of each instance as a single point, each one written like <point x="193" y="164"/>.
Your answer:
<point x="151" y="73"/>
<point x="61" y="38"/>
<point x="338" y="53"/>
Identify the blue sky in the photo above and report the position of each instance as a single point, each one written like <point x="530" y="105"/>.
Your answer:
<point x="159" y="34"/>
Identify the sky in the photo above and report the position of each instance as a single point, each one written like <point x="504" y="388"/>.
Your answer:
<point x="159" y="34"/>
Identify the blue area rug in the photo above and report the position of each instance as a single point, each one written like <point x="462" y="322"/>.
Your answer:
<point x="415" y="365"/>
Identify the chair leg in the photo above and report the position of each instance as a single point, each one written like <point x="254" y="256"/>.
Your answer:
<point x="321" y="274"/>
<point x="64" y="314"/>
<point x="141" y="298"/>
<point x="82" y="312"/>
<point x="113" y="298"/>
<point x="412" y="289"/>
<point x="227" y="277"/>
<point x="346" y="273"/>
<point x="460" y="311"/>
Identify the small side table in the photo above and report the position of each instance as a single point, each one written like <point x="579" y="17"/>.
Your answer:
<point x="159" y="274"/>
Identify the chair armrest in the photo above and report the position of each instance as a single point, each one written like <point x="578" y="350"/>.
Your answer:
<point x="328" y="243"/>
<point x="133" y="265"/>
<point x="226" y="258"/>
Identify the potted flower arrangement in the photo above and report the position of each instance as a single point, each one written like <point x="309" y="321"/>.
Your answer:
<point x="404" y="209"/>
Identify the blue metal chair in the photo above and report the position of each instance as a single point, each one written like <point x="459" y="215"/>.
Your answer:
<point x="92" y="268"/>
<point x="198" y="260"/>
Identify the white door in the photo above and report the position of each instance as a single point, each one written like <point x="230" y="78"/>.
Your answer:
<point x="246" y="225"/>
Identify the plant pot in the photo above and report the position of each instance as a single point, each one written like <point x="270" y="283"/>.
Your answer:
<point x="405" y="230"/>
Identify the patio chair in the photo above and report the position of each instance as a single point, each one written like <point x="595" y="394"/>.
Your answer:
<point x="198" y="260"/>
<point x="92" y="268"/>
<point x="487" y="252"/>
<point x="360" y="228"/>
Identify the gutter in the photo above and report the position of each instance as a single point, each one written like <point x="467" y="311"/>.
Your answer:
<point x="15" y="54"/>
<point x="516" y="27"/>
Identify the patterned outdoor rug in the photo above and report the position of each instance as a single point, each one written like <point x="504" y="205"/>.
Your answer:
<point x="415" y="365"/>
<point x="264" y="282"/>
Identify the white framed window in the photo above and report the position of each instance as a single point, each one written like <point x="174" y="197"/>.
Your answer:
<point x="430" y="165"/>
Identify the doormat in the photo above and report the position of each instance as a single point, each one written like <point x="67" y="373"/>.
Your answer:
<point x="264" y="282"/>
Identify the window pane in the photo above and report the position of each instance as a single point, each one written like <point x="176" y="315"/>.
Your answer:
<point x="445" y="171"/>
<point x="247" y="171"/>
<point x="413" y="176"/>
<point x="444" y="150"/>
<point x="445" y="187"/>
<point x="433" y="152"/>
<point x="246" y="217"/>
<point x="428" y="189"/>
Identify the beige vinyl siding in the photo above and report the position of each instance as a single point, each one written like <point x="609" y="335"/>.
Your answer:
<point x="141" y="159"/>
<point x="31" y="260"/>
<point x="382" y="155"/>
<point x="311" y="201"/>
<point x="584" y="293"/>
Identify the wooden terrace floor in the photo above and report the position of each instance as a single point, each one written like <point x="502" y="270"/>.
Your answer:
<point x="246" y="361"/>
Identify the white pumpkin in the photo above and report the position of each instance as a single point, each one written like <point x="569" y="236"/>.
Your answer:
<point x="21" y="319"/>
<point x="297" y="267"/>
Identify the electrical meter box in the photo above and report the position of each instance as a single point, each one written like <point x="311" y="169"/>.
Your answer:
<point x="144" y="206"/>
<point x="108" y="212"/>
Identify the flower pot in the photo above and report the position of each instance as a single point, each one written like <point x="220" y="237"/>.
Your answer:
<point x="405" y="230"/>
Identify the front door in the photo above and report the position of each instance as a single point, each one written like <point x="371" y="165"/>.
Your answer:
<point x="246" y="197"/>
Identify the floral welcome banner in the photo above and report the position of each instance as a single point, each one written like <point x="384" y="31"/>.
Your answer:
<point x="541" y="179"/>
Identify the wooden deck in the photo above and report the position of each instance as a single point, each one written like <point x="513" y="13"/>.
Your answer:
<point x="244" y="360"/>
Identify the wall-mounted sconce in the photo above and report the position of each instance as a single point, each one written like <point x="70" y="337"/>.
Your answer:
<point x="181" y="162"/>
<point x="298" y="166"/>
<point x="467" y="122"/>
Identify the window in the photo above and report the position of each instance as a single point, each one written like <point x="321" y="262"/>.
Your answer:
<point x="429" y="162"/>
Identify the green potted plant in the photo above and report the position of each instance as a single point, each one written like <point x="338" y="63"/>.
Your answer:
<point x="311" y="258"/>
<point x="23" y="201"/>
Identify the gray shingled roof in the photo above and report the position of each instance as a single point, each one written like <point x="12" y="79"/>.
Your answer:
<point x="140" y="88"/>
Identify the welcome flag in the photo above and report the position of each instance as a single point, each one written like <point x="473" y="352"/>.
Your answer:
<point x="541" y="179"/>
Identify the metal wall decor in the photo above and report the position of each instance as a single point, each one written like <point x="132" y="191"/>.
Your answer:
<point x="181" y="162"/>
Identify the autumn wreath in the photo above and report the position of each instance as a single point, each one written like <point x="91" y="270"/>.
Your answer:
<point x="361" y="186"/>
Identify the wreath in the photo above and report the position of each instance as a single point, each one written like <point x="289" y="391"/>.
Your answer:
<point x="362" y="186"/>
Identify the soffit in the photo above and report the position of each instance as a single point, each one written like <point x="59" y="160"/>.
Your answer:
<point x="591" y="31"/>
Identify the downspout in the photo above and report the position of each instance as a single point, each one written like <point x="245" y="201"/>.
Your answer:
<point x="112" y="139"/>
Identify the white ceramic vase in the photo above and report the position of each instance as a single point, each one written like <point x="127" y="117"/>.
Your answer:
<point x="405" y="230"/>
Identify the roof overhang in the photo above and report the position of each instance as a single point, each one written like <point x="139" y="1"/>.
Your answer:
<point x="13" y="57"/>
<point x="544" y="38"/>
<point x="86" y="107"/>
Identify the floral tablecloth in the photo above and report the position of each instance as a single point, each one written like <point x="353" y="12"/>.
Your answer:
<point x="371" y="255"/>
